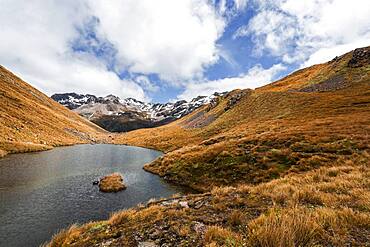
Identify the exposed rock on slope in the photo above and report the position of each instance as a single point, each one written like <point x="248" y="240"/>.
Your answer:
<point x="360" y="57"/>
<point x="120" y="115"/>
<point x="31" y="121"/>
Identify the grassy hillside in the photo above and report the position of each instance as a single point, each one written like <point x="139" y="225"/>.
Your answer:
<point x="309" y="119"/>
<point x="283" y="165"/>
<point x="31" y="121"/>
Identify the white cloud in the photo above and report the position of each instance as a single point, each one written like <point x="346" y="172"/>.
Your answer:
<point x="241" y="4"/>
<point x="174" y="39"/>
<point x="304" y="30"/>
<point x="328" y="53"/>
<point x="271" y="30"/>
<point x="144" y="82"/>
<point x="35" y="44"/>
<point x="230" y="8"/>
<point x="177" y="40"/>
<point x="255" y="77"/>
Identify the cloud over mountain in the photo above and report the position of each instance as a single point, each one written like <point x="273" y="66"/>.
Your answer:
<point x="177" y="49"/>
<point x="308" y="31"/>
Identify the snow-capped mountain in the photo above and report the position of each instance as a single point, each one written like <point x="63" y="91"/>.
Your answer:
<point x="73" y="100"/>
<point x="115" y="114"/>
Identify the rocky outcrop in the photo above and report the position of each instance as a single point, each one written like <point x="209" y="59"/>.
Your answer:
<point x="235" y="98"/>
<point x="334" y="83"/>
<point x="360" y="58"/>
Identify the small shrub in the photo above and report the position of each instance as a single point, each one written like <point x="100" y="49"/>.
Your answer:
<point x="295" y="227"/>
<point x="308" y="195"/>
<point x="120" y="217"/>
<point x="333" y="172"/>
<point x="63" y="237"/>
<point x="218" y="236"/>
<point x="236" y="218"/>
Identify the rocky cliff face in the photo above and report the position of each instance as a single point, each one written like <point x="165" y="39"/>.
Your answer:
<point x="120" y="115"/>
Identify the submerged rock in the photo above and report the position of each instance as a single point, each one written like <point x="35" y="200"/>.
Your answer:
<point x="112" y="183"/>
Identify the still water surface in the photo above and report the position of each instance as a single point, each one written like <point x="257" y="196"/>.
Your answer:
<point x="43" y="192"/>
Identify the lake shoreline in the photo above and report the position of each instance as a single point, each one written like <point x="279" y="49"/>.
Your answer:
<point x="28" y="147"/>
<point x="60" y="182"/>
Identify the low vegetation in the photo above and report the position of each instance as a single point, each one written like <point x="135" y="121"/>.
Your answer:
<point x="112" y="183"/>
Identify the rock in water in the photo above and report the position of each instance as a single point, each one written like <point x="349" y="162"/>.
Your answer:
<point x="112" y="183"/>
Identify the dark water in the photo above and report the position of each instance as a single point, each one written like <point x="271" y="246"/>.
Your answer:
<point x="43" y="192"/>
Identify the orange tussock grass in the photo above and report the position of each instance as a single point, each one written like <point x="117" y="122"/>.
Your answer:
<point x="112" y="183"/>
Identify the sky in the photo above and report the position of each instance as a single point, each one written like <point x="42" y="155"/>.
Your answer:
<point x="166" y="50"/>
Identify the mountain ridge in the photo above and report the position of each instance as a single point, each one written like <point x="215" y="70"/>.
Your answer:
<point x="121" y="115"/>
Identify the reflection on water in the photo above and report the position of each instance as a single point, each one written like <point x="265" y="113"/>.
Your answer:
<point x="43" y="192"/>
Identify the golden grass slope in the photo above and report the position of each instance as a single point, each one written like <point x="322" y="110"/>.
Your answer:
<point x="299" y="123"/>
<point x="31" y="121"/>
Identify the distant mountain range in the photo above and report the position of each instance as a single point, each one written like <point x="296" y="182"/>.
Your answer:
<point x="120" y="115"/>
